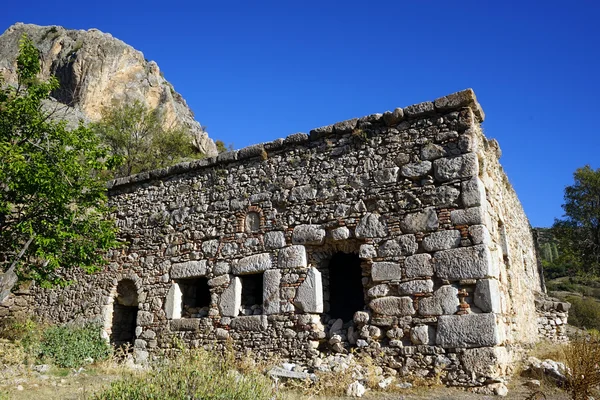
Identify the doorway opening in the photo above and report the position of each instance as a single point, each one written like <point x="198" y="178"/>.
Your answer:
<point x="124" y="316"/>
<point x="346" y="294"/>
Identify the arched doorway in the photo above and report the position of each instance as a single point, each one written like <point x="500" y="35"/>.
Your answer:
<point x="124" y="315"/>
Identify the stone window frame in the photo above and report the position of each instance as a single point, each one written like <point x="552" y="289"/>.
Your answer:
<point x="174" y="299"/>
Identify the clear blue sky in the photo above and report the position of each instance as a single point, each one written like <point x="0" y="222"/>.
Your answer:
<point x="253" y="71"/>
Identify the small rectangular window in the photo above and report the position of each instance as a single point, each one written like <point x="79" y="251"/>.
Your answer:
<point x="195" y="295"/>
<point x="252" y="294"/>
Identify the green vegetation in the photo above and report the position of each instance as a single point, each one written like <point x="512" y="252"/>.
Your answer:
<point x="221" y="148"/>
<point x="196" y="374"/>
<point x="136" y="136"/>
<point x="53" y="203"/>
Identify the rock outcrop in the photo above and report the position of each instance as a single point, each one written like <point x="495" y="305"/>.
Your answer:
<point x="96" y="70"/>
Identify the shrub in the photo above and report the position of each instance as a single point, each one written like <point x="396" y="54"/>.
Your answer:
<point x="584" y="312"/>
<point x="195" y="374"/>
<point x="582" y="356"/>
<point x="69" y="346"/>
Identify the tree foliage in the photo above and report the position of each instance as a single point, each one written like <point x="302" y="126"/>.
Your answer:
<point x="578" y="233"/>
<point x="53" y="202"/>
<point x="135" y="135"/>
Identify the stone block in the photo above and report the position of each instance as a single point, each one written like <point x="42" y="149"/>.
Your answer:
<point x="473" y="192"/>
<point x="469" y="216"/>
<point x="379" y="291"/>
<point x="442" y="240"/>
<point x="403" y="245"/>
<point x="367" y="251"/>
<point x="250" y="323"/>
<point x="443" y="302"/>
<point x="361" y="317"/>
<point x="472" y="262"/>
<point x="173" y="302"/>
<point x="432" y="151"/>
<point x="417" y="286"/>
<point x="444" y="196"/>
<point x="393" y="118"/>
<point x="341" y="233"/>
<point x="252" y="264"/>
<point x="189" y="269"/>
<point x="419" y="265"/>
<point x="292" y="257"/>
<point x="393" y="306"/>
<point x="309" y="297"/>
<point x="345" y="126"/>
<point x="386" y="271"/>
<point x="487" y="295"/>
<point x="416" y="170"/>
<point x="185" y="324"/>
<point x="485" y="361"/>
<point x="386" y="175"/>
<point x="271" y="285"/>
<point x="308" y="234"/>
<point x="422" y="335"/>
<point x="461" y="167"/>
<point x="419" y="110"/>
<point x="231" y="298"/>
<point x="464" y="98"/>
<point x="480" y="235"/>
<point x="144" y="318"/>
<point x="220" y="280"/>
<point x="210" y="247"/>
<point x="371" y="226"/>
<point x="303" y="193"/>
<point x="221" y="267"/>
<point x="467" y="331"/>
<point x="274" y="240"/>
<point x="424" y="221"/>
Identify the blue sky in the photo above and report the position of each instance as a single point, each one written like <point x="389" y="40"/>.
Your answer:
<point x="253" y="71"/>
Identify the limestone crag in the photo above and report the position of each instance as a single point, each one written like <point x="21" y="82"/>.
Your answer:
<point x="96" y="70"/>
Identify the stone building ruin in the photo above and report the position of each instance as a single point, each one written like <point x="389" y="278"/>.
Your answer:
<point x="395" y="235"/>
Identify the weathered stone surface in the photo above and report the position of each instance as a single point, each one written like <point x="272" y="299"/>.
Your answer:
<point x="480" y="234"/>
<point x="284" y="373"/>
<point x="173" y="302"/>
<point x="274" y="240"/>
<point x="386" y="271"/>
<point x="425" y="221"/>
<point x="422" y="334"/>
<point x="308" y="234"/>
<point x="394" y="117"/>
<point x="442" y="240"/>
<point x="473" y="192"/>
<point x="401" y="246"/>
<point x="189" y="269"/>
<point x="464" y="98"/>
<point x="419" y="265"/>
<point x="185" y="324"/>
<point x="379" y="291"/>
<point x="461" y="167"/>
<point x="250" y="323"/>
<point x="394" y="306"/>
<point x="341" y="233"/>
<point x="444" y="301"/>
<point x="416" y="170"/>
<point x="144" y="318"/>
<point x="467" y="331"/>
<point x="367" y="251"/>
<point x="445" y="196"/>
<point x="417" y="286"/>
<point x="271" y="283"/>
<point x="432" y="151"/>
<point x="231" y="298"/>
<point x="220" y="280"/>
<point x="470" y="216"/>
<point x="303" y="193"/>
<point x="252" y="264"/>
<point x="487" y="295"/>
<point x="485" y="361"/>
<point x="292" y="257"/>
<point x="418" y="110"/>
<point x="309" y="297"/>
<point x="386" y="175"/>
<point x="371" y="226"/>
<point x="464" y="263"/>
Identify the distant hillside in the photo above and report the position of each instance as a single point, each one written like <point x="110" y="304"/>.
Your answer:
<point x="96" y="70"/>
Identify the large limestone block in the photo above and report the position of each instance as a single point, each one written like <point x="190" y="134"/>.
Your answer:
<point x="386" y="271"/>
<point x="442" y="240"/>
<point x="417" y="286"/>
<point x="419" y="265"/>
<point x="424" y="221"/>
<point x="271" y="284"/>
<point x="480" y="234"/>
<point x="252" y="264"/>
<point x="469" y="216"/>
<point x="422" y="334"/>
<point x="250" y="323"/>
<point x="416" y="170"/>
<point x="189" y="269"/>
<point x="473" y="192"/>
<point x="393" y="306"/>
<point x="485" y="361"/>
<point x="274" y="240"/>
<point x="231" y="298"/>
<point x="461" y="167"/>
<point x="292" y="257"/>
<point x="473" y="262"/>
<point x="467" y="331"/>
<point x="308" y="234"/>
<point x="487" y="295"/>
<point x="371" y="226"/>
<point x="173" y="302"/>
<point x="309" y="297"/>
<point x="444" y="301"/>
<point x="403" y="245"/>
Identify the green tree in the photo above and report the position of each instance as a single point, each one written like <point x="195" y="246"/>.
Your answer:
<point x="136" y="135"/>
<point x="578" y="233"/>
<point x="53" y="202"/>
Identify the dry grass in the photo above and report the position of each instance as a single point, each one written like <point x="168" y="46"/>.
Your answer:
<point x="582" y="357"/>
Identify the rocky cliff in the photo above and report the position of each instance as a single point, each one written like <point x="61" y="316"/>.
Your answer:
<point x="96" y="70"/>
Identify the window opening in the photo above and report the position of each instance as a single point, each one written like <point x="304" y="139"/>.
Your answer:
<point x="252" y="294"/>
<point x="346" y="293"/>
<point x="195" y="297"/>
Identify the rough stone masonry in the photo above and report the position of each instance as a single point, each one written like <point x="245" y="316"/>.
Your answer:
<point x="395" y="235"/>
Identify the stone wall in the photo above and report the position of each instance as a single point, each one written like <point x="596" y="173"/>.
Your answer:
<point x="395" y="235"/>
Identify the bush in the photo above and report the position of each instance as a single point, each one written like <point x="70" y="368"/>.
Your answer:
<point x="581" y="357"/>
<point x="71" y="346"/>
<point x="584" y="312"/>
<point x="195" y="374"/>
